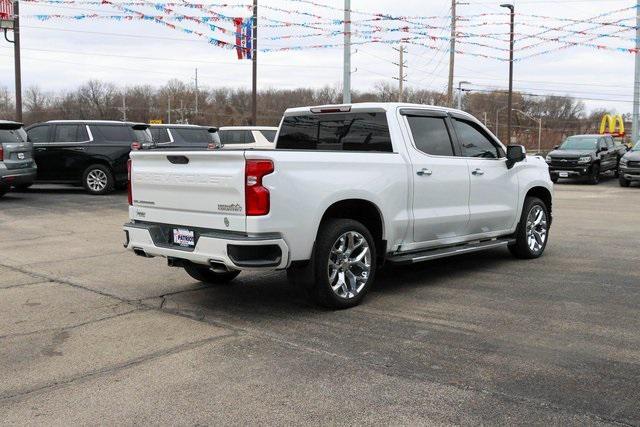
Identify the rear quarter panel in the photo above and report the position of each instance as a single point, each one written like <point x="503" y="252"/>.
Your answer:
<point x="306" y="183"/>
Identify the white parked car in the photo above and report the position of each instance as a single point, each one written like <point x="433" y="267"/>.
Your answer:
<point x="241" y="137"/>
<point x="348" y="188"/>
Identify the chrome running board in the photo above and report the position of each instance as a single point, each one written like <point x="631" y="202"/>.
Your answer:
<point x="431" y="254"/>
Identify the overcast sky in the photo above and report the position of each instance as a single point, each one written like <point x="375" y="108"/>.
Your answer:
<point x="60" y="54"/>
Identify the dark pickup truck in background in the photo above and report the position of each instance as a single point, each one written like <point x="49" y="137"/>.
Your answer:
<point x="585" y="156"/>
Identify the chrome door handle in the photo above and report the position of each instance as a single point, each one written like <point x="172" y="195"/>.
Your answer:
<point x="425" y="171"/>
<point x="478" y="172"/>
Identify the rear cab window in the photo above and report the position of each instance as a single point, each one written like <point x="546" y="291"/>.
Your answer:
<point x="336" y="132"/>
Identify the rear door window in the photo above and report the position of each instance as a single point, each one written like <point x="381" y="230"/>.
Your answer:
<point x="70" y="133"/>
<point x="39" y="134"/>
<point x="430" y="135"/>
<point x="336" y="132"/>
<point x="112" y="134"/>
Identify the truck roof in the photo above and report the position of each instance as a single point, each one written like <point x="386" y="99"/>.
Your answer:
<point x="366" y="107"/>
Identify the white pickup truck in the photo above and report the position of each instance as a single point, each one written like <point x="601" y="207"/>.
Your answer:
<point x="348" y="188"/>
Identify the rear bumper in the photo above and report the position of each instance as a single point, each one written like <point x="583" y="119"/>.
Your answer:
<point x="234" y="251"/>
<point x="9" y="177"/>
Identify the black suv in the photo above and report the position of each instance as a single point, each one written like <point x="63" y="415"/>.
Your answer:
<point x="88" y="152"/>
<point x="585" y="156"/>
<point x="185" y="137"/>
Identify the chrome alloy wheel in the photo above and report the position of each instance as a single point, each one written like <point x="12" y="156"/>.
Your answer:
<point x="97" y="180"/>
<point x="536" y="229"/>
<point x="349" y="265"/>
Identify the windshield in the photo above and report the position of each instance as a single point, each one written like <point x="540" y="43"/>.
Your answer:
<point x="13" y="135"/>
<point x="580" y="143"/>
<point x="637" y="147"/>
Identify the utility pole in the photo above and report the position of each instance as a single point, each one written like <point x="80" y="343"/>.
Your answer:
<point x="510" y="100"/>
<point x="401" y="76"/>
<point x="169" y="110"/>
<point x="254" y="61"/>
<point x="16" y="59"/>
<point x="196" y="94"/>
<point x="452" y="53"/>
<point x="346" y="79"/>
<point x="181" y="111"/>
<point x="635" y="123"/>
<point x="124" y="106"/>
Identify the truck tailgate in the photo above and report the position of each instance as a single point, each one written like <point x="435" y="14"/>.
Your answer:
<point x="200" y="189"/>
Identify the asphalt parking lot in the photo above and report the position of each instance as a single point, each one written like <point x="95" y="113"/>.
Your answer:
<point x="91" y="334"/>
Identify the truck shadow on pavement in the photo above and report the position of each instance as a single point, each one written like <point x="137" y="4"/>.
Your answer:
<point x="261" y="296"/>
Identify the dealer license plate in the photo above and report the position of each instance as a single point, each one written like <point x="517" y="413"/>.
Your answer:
<point x="564" y="175"/>
<point x="184" y="238"/>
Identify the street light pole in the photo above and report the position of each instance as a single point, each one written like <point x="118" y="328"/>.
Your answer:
<point x="460" y="93"/>
<point x="16" y="59"/>
<point x="511" y="43"/>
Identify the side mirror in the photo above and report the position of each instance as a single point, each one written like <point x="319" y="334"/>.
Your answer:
<point x="556" y="147"/>
<point x="515" y="154"/>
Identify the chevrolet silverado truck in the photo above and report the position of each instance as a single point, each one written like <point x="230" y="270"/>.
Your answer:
<point x="347" y="189"/>
<point x="585" y="156"/>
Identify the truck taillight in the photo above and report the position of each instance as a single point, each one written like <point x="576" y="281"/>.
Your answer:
<point x="1" y="153"/>
<point x="257" y="197"/>
<point x="129" y="193"/>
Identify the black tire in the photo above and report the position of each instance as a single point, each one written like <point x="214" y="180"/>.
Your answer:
<point x="202" y="273"/>
<point x="624" y="182"/>
<point x="318" y="286"/>
<point x="22" y="187"/>
<point x="594" y="178"/>
<point x="554" y="179"/>
<point x="521" y="249"/>
<point x="94" y="173"/>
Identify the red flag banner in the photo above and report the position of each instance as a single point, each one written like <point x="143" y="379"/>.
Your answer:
<point x="6" y="10"/>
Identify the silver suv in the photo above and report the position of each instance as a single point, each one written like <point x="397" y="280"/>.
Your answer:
<point x="17" y="168"/>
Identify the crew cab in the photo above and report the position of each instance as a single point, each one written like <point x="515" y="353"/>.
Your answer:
<point x="585" y="156"/>
<point x="17" y="168"/>
<point x="92" y="153"/>
<point x="347" y="189"/>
